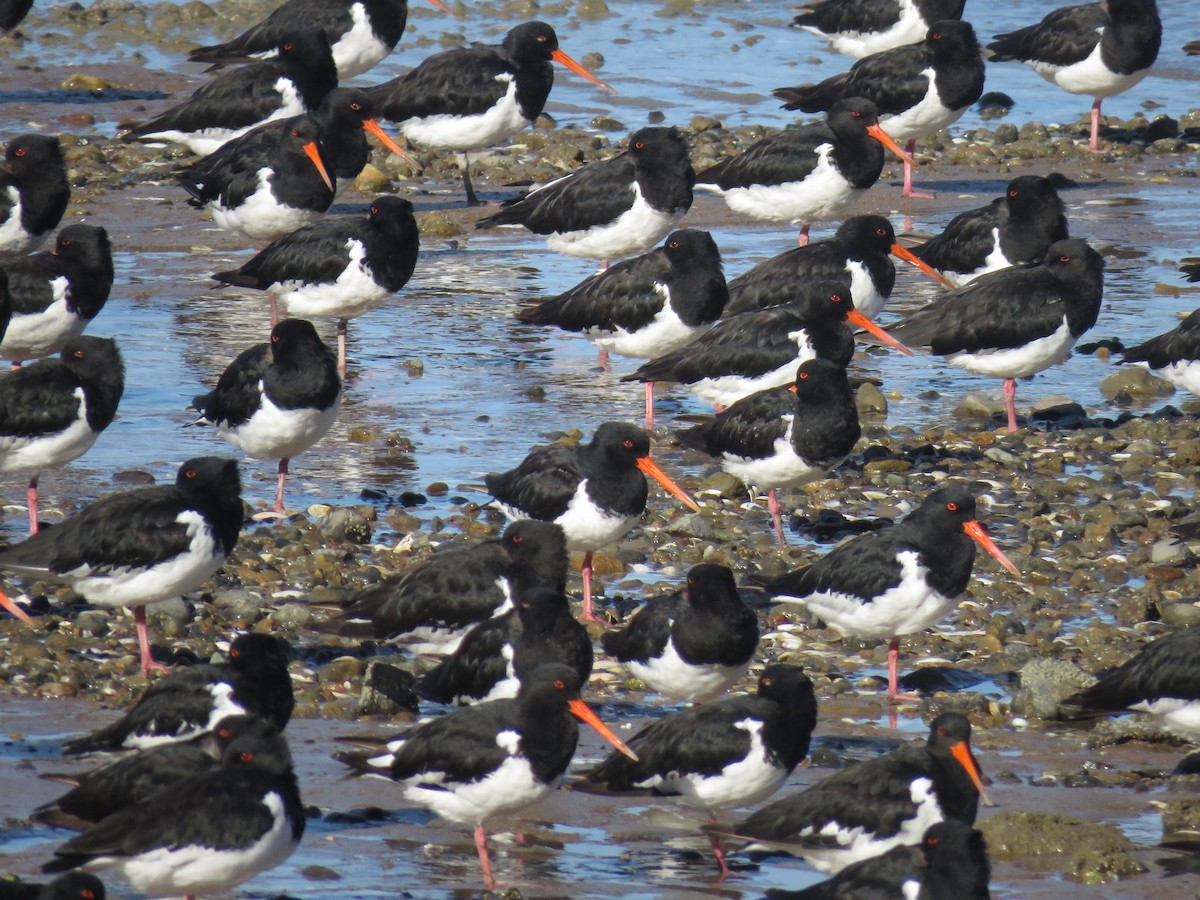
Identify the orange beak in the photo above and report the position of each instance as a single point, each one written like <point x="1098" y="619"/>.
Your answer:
<point x="962" y="753"/>
<point x="16" y="610"/>
<point x="372" y="127"/>
<point x="583" y="713"/>
<point x="312" y="152"/>
<point x="909" y="257"/>
<point x="559" y="57"/>
<point x="975" y="530"/>
<point x="444" y="8"/>
<point x="882" y="136"/>
<point x="650" y="467"/>
<point x="870" y="327"/>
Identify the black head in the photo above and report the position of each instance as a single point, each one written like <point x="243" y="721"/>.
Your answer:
<point x="874" y="233"/>
<point x="852" y="116"/>
<point x="73" y="886"/>
<point x="786" y="685"/>
<point x="85" y="245"/>
<point x="530" y="41"/>
<point x="711" y="586"/>
<point x="1072" y="261"/>
<point x="303" y="130"/>
<point x="541" y="604"/>
<point x="951" y="38"/>
<point x="259" y="652"/>
<point x="553" y="681"/>
<point x="230" y="728"/>
<point x="933" y="10"/>
<point x="390" y="212"/>
<point x="658" y="146"/>
<point x="1029" y="192"/>
<point x="260" y="747"/>
<point x="823" y="301"/>
<point x="818" y="378"/>
<point x="952" y="504"/>
<point x="622" y="442"/>
<point x="292" y="336"/>
<point x="530" y="539"/>
<point x="1130" y="10"/>
<point x="206" y="476"/>
<point x="689" y="244"/>
<point x="85" y="355"/>
<point x="344" y="105"/>
<point x="30" y="152"/>
<point x="306" y="47"/>
<point x="948" y="730"/>
<point x="951" y="844"/>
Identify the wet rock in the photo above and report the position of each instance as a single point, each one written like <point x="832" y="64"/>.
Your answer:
<point x="1087" y="852"/>
<point x="724" y="485"/>
<point x="978" y="405"/>
<point x="1134" y="384"/>
<point x="341" y="670"/>
<point x="1123" y="729"/>
<point x="591" y="9"/>
<point x="353" y="523"/>
<point x="387" y="691"/>
<point x="607" y="123"/>
<point x="1169" y="552"/>
<point x="94" y="622"/>
<point x="1044" y="683"/>
<point x="438" y="224"/>
<point x="870" y="400"/>
<point x="320" y="873"/>
<point x="292" y="616"/>
<point x="240" y="607"/>
<point x="1180" y="822"/>
<point x="1179" y="615"/>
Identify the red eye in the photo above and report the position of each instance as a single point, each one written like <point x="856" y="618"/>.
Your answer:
<point x="274" y="339"/>
<point x="246" y="757"/>
<point x="287" y="48"/>
<point x="1012" y="193"/>
<point x="674" y="245"/>
<point x="802" y="376"/>
<point x="87" y="895"/>
<point x="516" y="538"/>
<point x="295" y="132"/>
<point x="640" y="145"/>
<point x="64" y="242"/>
<point x="932" y="841"/>
<point x="881" y="231"/>
<point x="235" y="653"/>
<point x="542" y="38"/>
<point x="628" y="444"/>
<point x="937" y="35"/>
<point x="857" y="113"/>
<point x="765" y="681"/>
<point x="223" y="732"/>
<point x="20" y="151"/>
<point x="942" y="731"/>
<point x="953" y="507"/>
<point x="835" y="298"/>
<point x="190" y="473"/>
<point x="356" y="106"/>
<point x="77" y="354"/>
<point x="560" y="685"/>
<point x="1064" y="259"/>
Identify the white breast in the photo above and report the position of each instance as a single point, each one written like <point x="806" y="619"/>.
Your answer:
<point x="669" y="674"/>
<point x="42" y="333"/>
<point x="462" y="133"/>
<point x="1183" y="374"/>
<point x="1019" y="362"/>
<point x="782" y="468"/>
<point x="357" y="50"/>
<point x="743" y="783"/>
<point x="36" y="454"/>
<point x="635" y="230"/>
<point x="589" y="528"/>
<point x="1089" y="76"/>
<point x="274" y="433"/>
<point x="353" y="293"/>
<point x="929" y="116"/>
<point x="261" y="217"/>
<point x="822" y="195"/>
<point x="664" y="334"/>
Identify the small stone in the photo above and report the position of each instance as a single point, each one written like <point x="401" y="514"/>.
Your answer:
<point x="352" y="523"/>
<point x="196" y="11"/>
<point x="870" y="400"/>
<point x="607" y="123"/>
<point x="292" y="616"/>
<point x="437" y="489"/>
<point x="1134" y="384"/>
<point x="1044" y="683"/>
<point x="438" y="224"/>
<point x="81" y="82"/>
<point x="704" y="123"/>
<point x="1168" y="552"/>
<point x="341" y="670"/>
<point x="320" y="873"/>
<point x="1179" y="615"/>
<point x="1088" y="852"/>
<point x="93" y="622"/>
<point x="591" y="9"/>
<point x="387" y="690"/>
<point x="979" y="406"/>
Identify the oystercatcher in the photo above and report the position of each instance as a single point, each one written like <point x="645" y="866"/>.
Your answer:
<point x="266" y="183"/>
<point x="138" y="547"/>
<point x="33" y="193"/>
<point x="133" y="777"/>
<point x="951" y="862"/>
<point x="342" y="267"/>
<point x="693" y="644"/>
<point x="190" y="702"/>
<point x="360" y="32"/>
<point x="732" y="752"/>
<point x="596" y="492"/>
<point x="856" y="254"/>
<point x="760" y="349"/>
<point x="864" y="27"/>
<point x="496" y="655"/>
<point x="1016" y="229"/>
<point x="1098" y="49"/>
<point x="898" y="580"/>
<point x="785" y="436"/>
<point x="1162" y="679"/>
<point x="51" y="412"/>
<point x="1174" y="355"/>
<point x="1015" y="322"/>
<point x="806" y="173"/>
<point x="918" y="90"/>
<point x="646" y="306"/>
<point x="474" y="97"/>
<point x="434" y="603"/>
<point x="864" y="810"/>
<point x="231" y="104"/>
<point x="614" y="208"/>
<point x="11" y="14"/>
<point x="276" y="400"/>
<point x="492" y="759"/>
<point x="56" y="294"/>
<point x="73" y="885"/>
<point x="206" y="834"/>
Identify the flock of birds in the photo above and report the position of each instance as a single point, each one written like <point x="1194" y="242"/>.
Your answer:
<point x="204" y="796"/>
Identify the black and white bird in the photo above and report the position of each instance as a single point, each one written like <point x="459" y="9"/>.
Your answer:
<point x="607" y="210"/>
<point x="470" y="98"/>
<point x="138" y="547"/>
<point x="497" y="655"/>
<point x="492" y="759"/>
<point x="646" y="306"/>
<point x="360" y="32"/>
<point x="1162" y="679"/>
<point x="34" y="193"/>
<point x="72" y="886"/>
<point x="918" y="89"/>
<point x="784" y="436"/>
<point x="276" y="400"/>
<point x="191" y="701"/>
<point x="206" y="834"/>
<point x="862" y="27"/>
<point x="133" y="777"/>
<point x="292" y="83"/>
<point x="1174" y="355"/>
<point x="760" y="349"/>
<point x="52" y="411"/>
<point x="265" y="183"/>
<point x="735" y="751"/>
<point x="595" y="492"/>
<point x="1014" y="230"/>
<point x="806" y="173"/>
<point x="865" y="810"/>
<point x="856" y="254"/>
<point x="1097" y="49"/>
<point x="951" y="863"/>
<point x="340" y="266"/>
<point x="56" y="294"/>
<point x="693" y="644"/>
<point x="898" y="580"/>
<point x="1015" y="322"/>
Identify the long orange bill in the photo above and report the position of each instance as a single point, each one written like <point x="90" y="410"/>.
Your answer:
<point x="909" y="257"/>
<point x="583" y="713"/>
<point x="975" y="530"/>
<point x="882" y="136"/>
<point x="559" y="57"/>
<point x="313" y="152"/>
<point x="372" y="127"/>
<point x="857" y="318"/>
<point x="650" y="467"/>
<point x="16" y="610"/>
<point x="962" y="753"/>
<point x="444" y="8"/>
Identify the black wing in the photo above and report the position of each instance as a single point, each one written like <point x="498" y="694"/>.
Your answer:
<point x="790" y="155"/>
<point x="331" y="17"/>
<point x="1065" y="36"/>
<point x="575" y="202"/>
<point x="1180" y="344"/>
<point x="470" y="732"/>
<point x="623" y="296"/>
<point x="238" y="393"/>
<point x="240" y="97"/>
<point x="477" y="666"/>
<point x="30" y="282"/>
<point x="748" y="428"/>
<point x="835" y="16"/>
<point x="313" y="254"/>
<point x="954" y="249"/>
<point x="39" y="399"/>
<point x="647" y="633"/>
<point x="462" y="82"/>
<point x="863" y="567"/>
<point x="1164" y="668"/>
<point x="542" y="485"/>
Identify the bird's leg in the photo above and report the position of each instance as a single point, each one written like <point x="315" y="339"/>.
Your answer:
<point x="33" y="505"/>
<point x="1010" y="402"/>
<point x="716" y="849"/>
<point x="1094" y="139"/>
<point x="342" y="326"/>
<point x="143" y="636"/>
<point x="894" y="669"/>
<point x="586" y="572"/>
<point x="776" y="512"/>
<point x="464" y="165"/>
<point x="602" y="359"/>
<point x="484" y="861"/>
<point x="283" y="470"/>
<point x="649" y="405"/>
<point x="274" y="309"/>
<point x="908" y="176"/>
<point x="802" y="240"/>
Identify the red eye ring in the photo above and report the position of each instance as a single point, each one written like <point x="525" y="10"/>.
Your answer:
<point x="560" y="684"/>
<point x="245" y="756"/>
<point x="516" y="538"/>
<point x="857" y="113"/>
<point x="190" y="473"/>
<point x="802" y="376"/>
<point x="627" y="444"/>
<point x="1064" y="259"/>
<point x="640" y="145"/>
<point x="937" y="35"/>
<point x="20" y="151"/>
<point x="1012" y="193"/>
<point x="953" y="507"/>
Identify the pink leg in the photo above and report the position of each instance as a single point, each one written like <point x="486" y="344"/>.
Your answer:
<point x="603" y="266"/>
<point x="717" y="851"/>
<point x="143" y="636"/>
<point x="586" y="572"/>
<point x="649" y="405"/>
<point x="274" y="310"/>
<point x="718" y="408"/>
<point x="1010" y="402"/>
<point x="342" y="325"/>
<point x="602" y="358"/>
<point x="485" y="862"/>
<point x="283" y="470"/>
<point x="894" y="669"/>
<point x="802" y="241"/>
<point x="1094" y="140"/>
<point x="33" y="505"/>
<point x="908" y="176"/>
<point x="776" y="513"/>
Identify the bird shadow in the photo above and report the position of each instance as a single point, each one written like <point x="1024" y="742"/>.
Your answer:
<point x="61" y="96"/>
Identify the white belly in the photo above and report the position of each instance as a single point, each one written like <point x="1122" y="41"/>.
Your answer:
<point x="260" y="216"/>
<point x="1183" y="374"/>
<point x="994" y="261"/>
<point x="42" y="333"/>
<point x="908" y="30"/>
<point x="867" y="300"/>
<point x="358" y="49"/>
<point x="665" y="334"/>
<point x="274" y="433"/>
<point x="1019" y="362"/>
<point x="354" y="293"/>
<point x="743" y="783"/>
<point x="634" y="231"/>
<point x="463" y="133"/>
<point x="509" y="789"/>
<point x="206" y="140"/>
<point x="824" y="194"/>
<point x="783" y="468"/>
<point x="36" y="454"/>
<point x="1088" y="76"/>
<point x="589" y="528"/>
<point x="671" y="675"/>
<point x="929" y="116"/>
<point x="1179" y="716"/>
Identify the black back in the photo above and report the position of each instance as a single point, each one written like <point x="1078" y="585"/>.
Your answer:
<point x="1180" y="344"/>
<point x="1129" y="33"/>
<point x="39" y="399"/>
<point x="1165" y="668"/>
<point x="83" y="255"/>
<point x="835" y="16"/>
